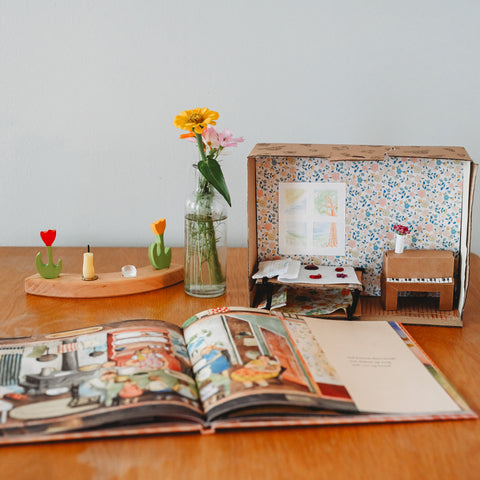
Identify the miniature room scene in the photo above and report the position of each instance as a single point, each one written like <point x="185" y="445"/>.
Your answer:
<point x="360" y="232"/>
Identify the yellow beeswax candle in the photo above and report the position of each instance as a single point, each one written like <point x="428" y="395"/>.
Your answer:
<point x="88" y="268"/>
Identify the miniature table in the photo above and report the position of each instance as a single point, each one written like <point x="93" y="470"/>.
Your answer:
<point x="437" y="450"/>
<point x="266" y="285"/>
<point x="418" y="271"/>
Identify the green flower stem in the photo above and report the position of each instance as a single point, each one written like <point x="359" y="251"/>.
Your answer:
<point x="201" y="147"/>
<point x="211" y="253"/>
<point x="204" y="250"/>
<point x="50" y="255"/>
<point x="161" y="244"/>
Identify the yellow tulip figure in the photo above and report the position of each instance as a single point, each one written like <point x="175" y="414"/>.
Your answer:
<point x="160" y="257"/>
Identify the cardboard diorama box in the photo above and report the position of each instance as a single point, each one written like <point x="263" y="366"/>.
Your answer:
<point x="335" y="206"/>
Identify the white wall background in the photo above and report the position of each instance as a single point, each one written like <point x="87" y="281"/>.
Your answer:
<point x="89" y="90"/>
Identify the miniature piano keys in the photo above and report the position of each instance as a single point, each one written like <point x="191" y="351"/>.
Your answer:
<point x="418" y="271"/>
<point x="421" y="280"/>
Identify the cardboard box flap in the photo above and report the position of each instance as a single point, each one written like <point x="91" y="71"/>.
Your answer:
<point x="454" y="153"/>
<point x="337" y="153"/>
<point x="291" y="149"/>
<point x="357" y="152"/>
<point x="332" y="152"/>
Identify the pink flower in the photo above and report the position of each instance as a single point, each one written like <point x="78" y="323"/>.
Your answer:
<point x="215" y="140"/>
<point x="221" y="139"/>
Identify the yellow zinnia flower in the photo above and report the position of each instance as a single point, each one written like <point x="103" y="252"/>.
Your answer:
<point x="196" y="119"/>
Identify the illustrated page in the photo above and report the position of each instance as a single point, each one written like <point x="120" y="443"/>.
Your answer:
<point x="244" y="357"/>
<point x="94" y="372"/>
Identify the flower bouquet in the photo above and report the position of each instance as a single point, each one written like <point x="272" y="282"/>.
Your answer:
<point x="400" y="232"/>
<point x="205" y="209"/>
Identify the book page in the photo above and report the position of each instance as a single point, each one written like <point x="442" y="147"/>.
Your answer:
<point x="243" y="358"/>
<point x="378" y="368"/>
<point x="96" y="375"/>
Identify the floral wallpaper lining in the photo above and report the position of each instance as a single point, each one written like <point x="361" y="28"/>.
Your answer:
<point x="425" y="194"/>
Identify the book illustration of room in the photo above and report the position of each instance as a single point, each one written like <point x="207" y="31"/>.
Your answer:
<point x="239" y="357"/>
<point x="97" y="370"/>
<point x="322" y="235"/>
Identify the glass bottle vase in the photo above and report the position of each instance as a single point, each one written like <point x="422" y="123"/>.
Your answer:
<point x="205" y="240"/>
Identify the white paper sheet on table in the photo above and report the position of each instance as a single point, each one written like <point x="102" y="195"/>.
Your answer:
<point x="286" y="267"/>
<point x="328" y="276"/>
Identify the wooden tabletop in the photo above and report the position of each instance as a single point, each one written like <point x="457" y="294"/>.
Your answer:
<point x="433" y="450"/>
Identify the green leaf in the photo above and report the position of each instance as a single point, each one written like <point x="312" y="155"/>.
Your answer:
<point x="212" y="171"/>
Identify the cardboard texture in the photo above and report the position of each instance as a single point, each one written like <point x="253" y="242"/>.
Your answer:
<point x="429" y="189"/>
<point x="418" y="271"/>
<point x="419" y="264"/>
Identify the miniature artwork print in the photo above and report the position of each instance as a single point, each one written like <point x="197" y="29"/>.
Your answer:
<point x="311" y="219"/>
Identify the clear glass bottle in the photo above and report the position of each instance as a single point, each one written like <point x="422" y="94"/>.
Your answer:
<point x="205" y="240"/>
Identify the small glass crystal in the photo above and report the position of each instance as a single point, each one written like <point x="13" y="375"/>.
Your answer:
<point x="129" y="271"/>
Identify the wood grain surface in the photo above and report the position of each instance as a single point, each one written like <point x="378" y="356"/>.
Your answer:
<point x="110" y="284"/>
<point x="429" y="450"/>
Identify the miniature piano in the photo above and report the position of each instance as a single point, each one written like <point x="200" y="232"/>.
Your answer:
<point x="418" y="271"/>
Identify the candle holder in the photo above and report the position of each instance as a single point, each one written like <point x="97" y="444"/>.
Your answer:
<point x="160" y="274"/>
<point x="112" y="284"/>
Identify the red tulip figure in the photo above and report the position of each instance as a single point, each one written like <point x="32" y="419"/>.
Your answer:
<point x="50" y="270"/>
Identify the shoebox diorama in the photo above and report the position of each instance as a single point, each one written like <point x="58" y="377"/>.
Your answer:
<point x="322" y="227"/>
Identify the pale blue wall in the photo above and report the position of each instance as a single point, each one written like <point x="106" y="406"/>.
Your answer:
<point x="89" y="89"/>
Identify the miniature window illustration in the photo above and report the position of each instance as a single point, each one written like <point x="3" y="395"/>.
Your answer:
<point x="312" y="219"/>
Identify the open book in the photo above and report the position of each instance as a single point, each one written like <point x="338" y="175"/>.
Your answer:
<point x="226" y="368"/>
